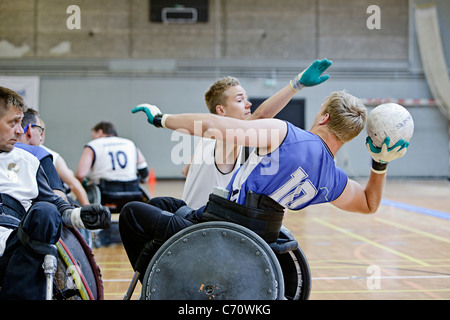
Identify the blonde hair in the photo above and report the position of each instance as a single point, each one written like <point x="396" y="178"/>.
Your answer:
<point x="216" y="94"/>
<point x="347" y="115"/>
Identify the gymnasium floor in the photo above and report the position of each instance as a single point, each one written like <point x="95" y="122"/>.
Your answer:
<point x="402" y="252"/>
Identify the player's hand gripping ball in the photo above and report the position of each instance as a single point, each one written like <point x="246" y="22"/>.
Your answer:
<point x="390" y="128"/>
<point x="385" y="154"/>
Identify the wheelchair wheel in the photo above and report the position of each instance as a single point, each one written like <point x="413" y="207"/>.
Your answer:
<point x="77" y="276"/>
<point x="296" y="271"/>
<point x="214" y="261"/>
<point x="93" y="193"/>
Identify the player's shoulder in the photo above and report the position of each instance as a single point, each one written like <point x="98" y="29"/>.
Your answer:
<point x="24" y="155"/>
<point x="37" y="151"/>
<point x="296" y="134"/>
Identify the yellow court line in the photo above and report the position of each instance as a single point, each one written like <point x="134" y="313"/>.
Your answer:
<point x="422" y="233"/>
<point x="120" y="294"/>
<point x="116" y="269"/>
<point x="361" y="238"/>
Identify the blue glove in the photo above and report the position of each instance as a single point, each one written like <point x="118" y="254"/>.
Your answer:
<point x="312" y="75"/>
<point x="153" y="113"/>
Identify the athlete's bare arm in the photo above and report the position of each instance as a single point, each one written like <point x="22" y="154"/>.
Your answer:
<point x="85" y="163"/>
<point x="264" y="133"/>
<point x="355" y="198"/>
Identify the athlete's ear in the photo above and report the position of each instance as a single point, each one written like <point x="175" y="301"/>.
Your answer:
<point x="28" y="133"/>
<point x="324" y="119"/>
<point x="220" y="110"/>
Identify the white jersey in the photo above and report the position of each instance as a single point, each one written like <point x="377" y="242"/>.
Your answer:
<point x="114" y="159"/>
<point x="54" y="154"/>
<point x="203" y="174"/>
<point x="18" y="170"/>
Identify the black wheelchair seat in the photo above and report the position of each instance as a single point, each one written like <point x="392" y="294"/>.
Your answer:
<point x="115" y="194"/>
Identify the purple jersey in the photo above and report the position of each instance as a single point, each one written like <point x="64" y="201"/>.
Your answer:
<point x="301" y="172"/>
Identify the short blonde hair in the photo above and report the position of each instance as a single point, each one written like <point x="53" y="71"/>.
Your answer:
<point x="216" y="94"/>
<point x="347" y="115"/>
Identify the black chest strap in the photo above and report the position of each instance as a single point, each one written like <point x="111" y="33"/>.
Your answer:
<point x="11" y="211"/>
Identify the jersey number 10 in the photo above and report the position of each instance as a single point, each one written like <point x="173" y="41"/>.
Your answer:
<point x="120" y="158"/>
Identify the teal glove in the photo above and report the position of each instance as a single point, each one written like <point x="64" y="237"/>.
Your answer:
<point x="382" y="156"/>
<point x="154" y="115"/>
<point x="311" y="76"/>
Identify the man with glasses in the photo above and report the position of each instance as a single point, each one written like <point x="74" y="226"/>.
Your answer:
<point x="30" y="141"/>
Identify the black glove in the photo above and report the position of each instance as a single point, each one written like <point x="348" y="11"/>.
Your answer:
<point x="91" y="216"/>
<point x="95" y="216"/>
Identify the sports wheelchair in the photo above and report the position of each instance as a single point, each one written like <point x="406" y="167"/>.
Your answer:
<point x="223" y="260"/>
<point x="114" y="195"/>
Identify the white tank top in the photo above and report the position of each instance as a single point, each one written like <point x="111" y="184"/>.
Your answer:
<point x="55" y="154"/>
<point x="203" y="174"/>
<point x="18" y="170"/>
<point x="114" y="159"/>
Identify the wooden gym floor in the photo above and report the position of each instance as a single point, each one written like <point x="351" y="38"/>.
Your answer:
<point x="402" y="252"/>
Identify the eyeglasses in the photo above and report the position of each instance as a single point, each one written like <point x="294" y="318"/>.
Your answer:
<point x="41" y="129"/>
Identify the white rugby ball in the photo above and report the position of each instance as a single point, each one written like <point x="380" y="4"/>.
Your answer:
<point x="389" y="120"/>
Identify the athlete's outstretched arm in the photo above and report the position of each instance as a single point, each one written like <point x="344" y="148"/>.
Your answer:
<point x="257" y="133"/>
<point x="309" y="77"/>
<point x="262" y="133"/>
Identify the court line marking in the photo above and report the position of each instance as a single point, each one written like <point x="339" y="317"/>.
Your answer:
<point x="364" y="239"/>
<point x="116" y="269"/>
<point x="422" y="233"/>
<point x="421" y="210"/>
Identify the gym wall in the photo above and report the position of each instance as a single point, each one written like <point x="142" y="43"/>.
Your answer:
<point x="118" y="58"/>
